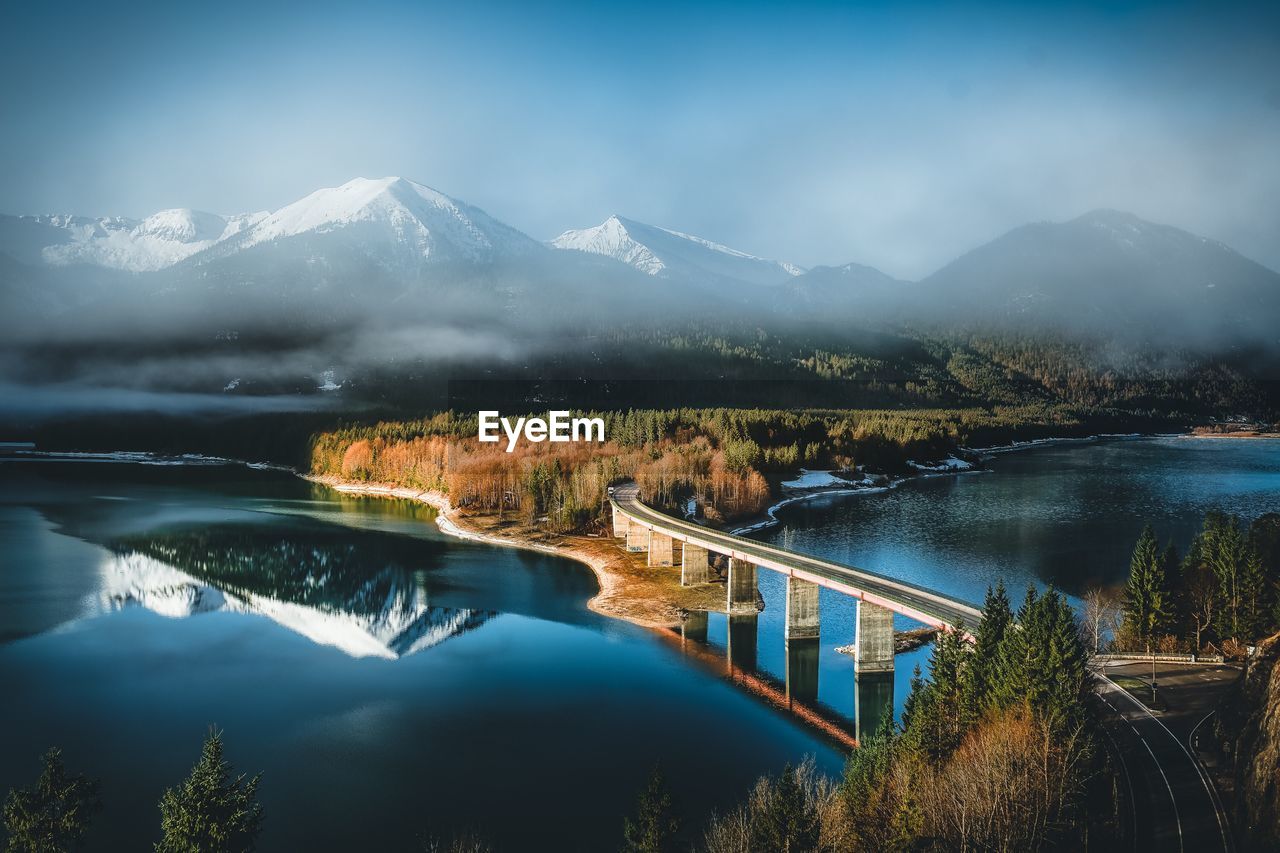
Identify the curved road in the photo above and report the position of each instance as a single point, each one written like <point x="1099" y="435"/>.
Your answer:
<point x="1174" y="804"/>
<point x="917" y="602"/>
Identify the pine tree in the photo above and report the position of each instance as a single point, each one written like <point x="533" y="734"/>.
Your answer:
<point x="911" y="707"/>
<point x="1042" y="660"/>
<point x="1059" y="680"/>
<point x="1253" y="593"/>
<point x="1148" y="598"/>
<point x="210" y="810"/>
<point x="937" y="719"/>
<point x="997" y="618"/>
<point x="654" y="824"/>
<point x="52" y="815"/>
<point x="1225" y="555"/>
<point x="786" y="820"/>
<point x="1014" y="659"/>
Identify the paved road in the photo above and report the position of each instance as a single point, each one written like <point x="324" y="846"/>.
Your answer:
<point x="925" y="605"/>
<point x="1174" y="806"/>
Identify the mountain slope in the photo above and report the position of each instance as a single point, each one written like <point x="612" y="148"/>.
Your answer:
<point x="847" y="287"/>
<point x="396" y="216"/>
<point x="671" y="254"/>
<point x="115" y="242"/>
<point x="1111" y="274"/>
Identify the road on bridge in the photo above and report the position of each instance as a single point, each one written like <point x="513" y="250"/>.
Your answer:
<point x="917" y="602"/>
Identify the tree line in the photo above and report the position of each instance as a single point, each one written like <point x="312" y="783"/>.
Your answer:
<point x="211" y="810"/>
<point x="995" y="751"/>
<point x="726" y="461"/>
<point x="1223" y="593"/>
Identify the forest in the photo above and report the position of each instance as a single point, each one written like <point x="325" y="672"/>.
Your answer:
<point x="1221" y="596"/>
<point x="727" y="461"/>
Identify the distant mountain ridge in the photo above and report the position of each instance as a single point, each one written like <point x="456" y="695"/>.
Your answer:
<point x="1115" y="274"/>
<point x="662" y="252"/>
<point x="392" y="214"/>
<point x="389" y="252"/>
<point x="116" y="242"/>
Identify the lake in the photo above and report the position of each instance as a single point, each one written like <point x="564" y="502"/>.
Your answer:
<point x="390" y="681"/>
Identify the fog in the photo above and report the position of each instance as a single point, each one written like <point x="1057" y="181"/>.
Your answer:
<point x="909" y="137"/>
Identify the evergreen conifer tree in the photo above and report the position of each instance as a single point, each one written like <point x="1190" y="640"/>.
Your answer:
<point x="997" y="618"/>
<point x="787" y="820"/>
<point x="653" y="826"/>
<point x="210" y="810"/>
<point x="1148" y="598"/>
<point x="52" y="815"/>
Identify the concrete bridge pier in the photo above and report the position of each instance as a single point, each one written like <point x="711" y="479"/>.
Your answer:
<point x="695" y="565"/>
<point x="874" y="640"/>
<point x="621" y="524"/>
<point x="637" y="538"/>
<point x="694" y="627"/>
<point x="802" y="670"/>
<point x="802" y="610"/>
<point x="742" y="590"/>
<point x="872" y="701"/>
<point x="743" y="631"/>
<point x="661" y="549"/>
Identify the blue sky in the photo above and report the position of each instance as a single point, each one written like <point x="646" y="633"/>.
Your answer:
<point x="898" y="135"/>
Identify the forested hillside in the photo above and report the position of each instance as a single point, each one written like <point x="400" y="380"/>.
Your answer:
<point x="723" y="459"/>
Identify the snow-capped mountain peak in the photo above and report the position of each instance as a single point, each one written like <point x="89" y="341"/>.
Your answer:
<point x="428" y="222"/>
<point x="159" y="241"/>
<point x="672" y="254"/>
<point x="612" y="239"/>
<point x="393" y="220"/>
<point x="182" y="225"/>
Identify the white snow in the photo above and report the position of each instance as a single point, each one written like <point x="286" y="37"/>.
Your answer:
<point x="403" y="214"/>
<point x="610" y="238"/>
<point x="161" y="240"/>
<point x="951" y="463"/>
<point x="416" y="216"/>
<point x="814" y="480"/>
<point x="654" y="250"/>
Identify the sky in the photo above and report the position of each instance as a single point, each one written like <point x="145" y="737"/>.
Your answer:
<point x="898" y="135"/>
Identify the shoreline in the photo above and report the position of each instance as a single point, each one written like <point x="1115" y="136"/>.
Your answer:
<point x="634" y="594"/>
<point x="614" y="568"/>
<point x="927" y="470"/>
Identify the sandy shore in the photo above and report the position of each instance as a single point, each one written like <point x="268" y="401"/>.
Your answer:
<point x="649" y="596"/>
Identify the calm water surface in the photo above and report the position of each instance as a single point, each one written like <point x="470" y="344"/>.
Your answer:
<point x="386" y="680"/>
<point x="390" y="681"/>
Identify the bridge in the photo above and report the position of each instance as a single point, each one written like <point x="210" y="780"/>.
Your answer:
<point x="878" y="596"/>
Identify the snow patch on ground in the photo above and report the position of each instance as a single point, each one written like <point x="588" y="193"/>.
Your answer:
<point x="814" y="480"/>
<point x="951" y="463"/>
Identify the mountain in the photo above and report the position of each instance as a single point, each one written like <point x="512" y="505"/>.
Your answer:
<point x="1112" y="274"/>
<point x="393" y="216"/>
<point x="116" y="242"/>
<point x="374" y="254"/>
<point x="364" y="288"/>
<point x="393" y="220"/>
<point x="670" y="254"/>
<point x="851" y="286"/>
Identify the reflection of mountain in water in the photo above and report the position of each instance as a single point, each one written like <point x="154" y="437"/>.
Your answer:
<point x="334" y="591"/>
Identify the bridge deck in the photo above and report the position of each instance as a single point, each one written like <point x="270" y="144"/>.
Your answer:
<point x="917" y="602"/>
